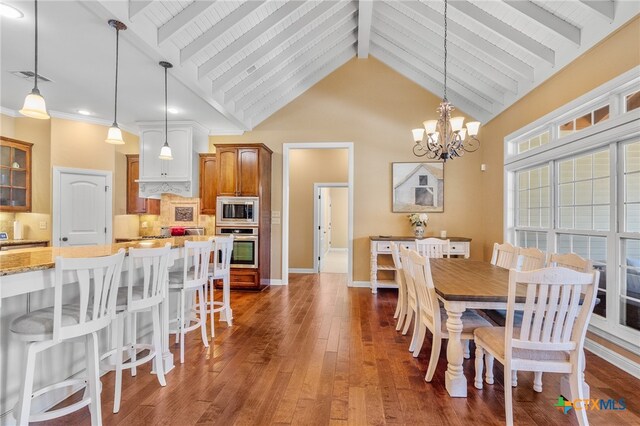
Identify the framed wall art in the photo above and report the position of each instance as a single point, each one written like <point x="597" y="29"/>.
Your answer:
<point x="418" y="187"/>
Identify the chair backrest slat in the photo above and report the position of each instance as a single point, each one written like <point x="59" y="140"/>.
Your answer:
<point x="504" y="255"/>
<point x="433" y="247"/>
<point x="97" y="279"/>
<point x="397" y="264"/>
<point x="554" y="300"/>
<point x="148" y="270"/>
<point x="530" y="258"/>
<point x="408" y="275"/>
<point x="222" y="249"/>
<point x="198" y="254"/>
<point x="428" y="300"/>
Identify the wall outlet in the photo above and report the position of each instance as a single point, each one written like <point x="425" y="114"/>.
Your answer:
<point x="275" y="221"/>
<point x="43" y="224"/>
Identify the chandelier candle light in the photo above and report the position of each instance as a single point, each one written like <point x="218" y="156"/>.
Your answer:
<point x="114" y="136"/>
<point x="445" y="138"/>
<point x="165" y="151"/>
<point x="34" y="104"/>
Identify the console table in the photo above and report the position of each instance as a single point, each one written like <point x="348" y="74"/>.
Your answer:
<point x="381" y="256"/>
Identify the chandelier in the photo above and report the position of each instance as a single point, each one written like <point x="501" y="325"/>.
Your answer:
<point x="445" y="138"/>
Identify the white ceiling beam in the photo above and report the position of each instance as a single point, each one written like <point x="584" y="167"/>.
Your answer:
<point x="506" y="31"/>
<point x="365" y="13"/>
<point x="429" y="84"/>
<point x="455" y="71"/>
<point x="433" y="73"/>
<point x="338" y="23"/>
<point x="462" y="34"/>
<point x="459" y="57"/>
<point x="304" y="85"/>
<point x="241" y="42"/>
<point x="298" y="70"/>
<point x="182" y="19"/>
<point x="137" y="6"/>
<point x="604" y="7"/>
<point x="547" y="19"/>
<point x="300" y="24"/>
<point x="219" y="28"/>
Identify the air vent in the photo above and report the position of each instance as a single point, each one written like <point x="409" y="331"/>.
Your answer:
<point x="28" y="75"/>
<point x="251" y="69"/>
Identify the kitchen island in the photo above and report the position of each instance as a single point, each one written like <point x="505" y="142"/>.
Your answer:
<point x="26" y="284"/>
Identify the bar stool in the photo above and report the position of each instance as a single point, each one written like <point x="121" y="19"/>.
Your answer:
<point x="145" y="290"/>
<point x="191" y="281"/>
<point x="97" y="279"/>
<point x="221" y="269"/>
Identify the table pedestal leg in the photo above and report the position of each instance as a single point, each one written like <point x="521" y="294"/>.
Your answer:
<point x="455" y="381"/>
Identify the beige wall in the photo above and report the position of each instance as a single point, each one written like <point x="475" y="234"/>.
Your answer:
<point x="369" y="104"/>
<point x="339" y="217"/>
<point x="610" y="58"/>
<point x="309" y="166"/>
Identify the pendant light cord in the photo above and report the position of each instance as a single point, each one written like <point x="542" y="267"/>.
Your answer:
<point x="35" y="78"/>
<point x="445" y="50"/>
<point x="115" y="104"/>
<point x="166" y="130"/>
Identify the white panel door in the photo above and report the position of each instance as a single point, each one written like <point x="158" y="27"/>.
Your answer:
<point x="83" y="202"/>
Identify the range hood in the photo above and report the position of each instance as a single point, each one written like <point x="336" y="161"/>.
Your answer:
<point x="179" y="176"/>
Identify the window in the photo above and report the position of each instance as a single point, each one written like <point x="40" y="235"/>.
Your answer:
<point x="533" y="198"/>
<point x="583" y="121"/>
<point x="632" y="101"/>
<point x="534" y="142"/>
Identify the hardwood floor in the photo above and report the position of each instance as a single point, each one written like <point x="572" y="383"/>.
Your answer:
<point x="316" y="352"/>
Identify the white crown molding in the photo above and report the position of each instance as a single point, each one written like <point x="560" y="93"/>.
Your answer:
<point x="231" y="132"/>
<point x="160" y="123"/>
<point x="9" y="112"/>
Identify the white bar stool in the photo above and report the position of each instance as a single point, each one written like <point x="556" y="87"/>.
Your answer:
<point x="191" y="280"/>
<point x="97" y="280"/>
<point x="145" y="290"/>
<point x="221" y="270"/>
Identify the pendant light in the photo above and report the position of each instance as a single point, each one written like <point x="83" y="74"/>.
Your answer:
<point x="114" y="136"/>
<point x="165" y="151"/>
<point x="34" y="105"/>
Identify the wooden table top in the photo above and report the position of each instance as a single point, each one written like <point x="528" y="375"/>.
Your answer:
<point x="472" y="280"/>
<point x="407" y="238"/>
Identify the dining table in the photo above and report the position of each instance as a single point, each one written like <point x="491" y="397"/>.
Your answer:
<point x="463" y="284"/>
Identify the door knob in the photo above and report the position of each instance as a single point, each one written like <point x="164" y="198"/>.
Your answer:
<point x="65" y="239"/>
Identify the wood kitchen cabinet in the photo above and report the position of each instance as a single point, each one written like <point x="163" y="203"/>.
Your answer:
<point x="136" y="204"/>
<point x="238" y="171"/>
<point x="208" y="183"/>
<point x="15" y="175"/>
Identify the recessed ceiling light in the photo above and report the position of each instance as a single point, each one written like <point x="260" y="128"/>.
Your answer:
<point x="10" y="11"/>
<point x="84" y="112"/>
<point x="172" y="110"/>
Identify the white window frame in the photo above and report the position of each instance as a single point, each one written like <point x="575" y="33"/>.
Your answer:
<point x="621" y="127"/>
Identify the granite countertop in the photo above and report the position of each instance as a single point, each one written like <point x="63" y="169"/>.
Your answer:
<point x="7" y="243"/>
<point x="41" y="258"/>
<point x="409" y="238"/>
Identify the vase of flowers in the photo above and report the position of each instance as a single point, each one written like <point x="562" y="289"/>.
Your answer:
<point x="419" y="222"/>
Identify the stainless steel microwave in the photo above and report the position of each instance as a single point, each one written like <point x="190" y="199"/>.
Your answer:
<point x="238" y="211"/>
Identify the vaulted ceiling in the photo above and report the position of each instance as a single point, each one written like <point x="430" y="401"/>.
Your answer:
<point x="247" y="59"/>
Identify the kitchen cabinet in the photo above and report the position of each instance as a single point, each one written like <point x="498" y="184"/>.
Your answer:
<point x="15" y="175"/>
<point x="208" y="183"/>
<point x="238" y="171"/>
<point x="135" y="203"/>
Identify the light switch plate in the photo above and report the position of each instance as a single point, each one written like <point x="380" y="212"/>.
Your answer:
<point x="275" y="213"/>
<point x="43" y="224"/>
<point x="275" y="221"/>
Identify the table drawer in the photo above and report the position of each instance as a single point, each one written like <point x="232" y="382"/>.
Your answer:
<point x="385" y="246"/>
<point x="458" y="248"/>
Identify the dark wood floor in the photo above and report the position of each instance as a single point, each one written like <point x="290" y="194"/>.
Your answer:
<point x="316" y="352"/>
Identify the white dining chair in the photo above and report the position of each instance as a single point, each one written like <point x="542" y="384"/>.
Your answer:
<point x="432" y="316"/>
<point x="220" y="269"/>
<point x="530" y="258"/>
<point x="557" y="308"/>
<point x="433" y="247"/>
<point x="571" y="261"/>
<point x="412" y="298"/>
<point x="190" y="283"/>
<point x="147" y="273"/>
<point x="93" y="284"/>
<point x="504" y="255"/>
<point x="401" y="307"/>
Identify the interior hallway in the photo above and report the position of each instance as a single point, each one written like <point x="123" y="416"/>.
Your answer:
<point x="335" y="261"/>
<point x="317" y="353"/>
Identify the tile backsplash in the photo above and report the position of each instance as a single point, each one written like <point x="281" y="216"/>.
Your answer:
<point x="31" y="225"/>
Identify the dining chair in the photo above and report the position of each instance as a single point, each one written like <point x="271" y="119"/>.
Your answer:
<point x="401" y="306"/>
<point x="504" y="255"/>
<point x="434" y="317"/>
<point x="530" y="258"/>
<point x="146" y="289"/>
<point x="557" y="308"/>
<point x="220" y="269"/>
<point x="96" y="281"/>
<point x="190" y="283"/>
<point x="571" y="261"/>
<point x="433" y="247"/>
<point x="412" y="298"/>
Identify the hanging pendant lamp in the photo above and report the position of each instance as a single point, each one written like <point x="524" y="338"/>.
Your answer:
<point x="114" y="136"/>
<point x="34" y="104"/>
<point x="165" y="151"/>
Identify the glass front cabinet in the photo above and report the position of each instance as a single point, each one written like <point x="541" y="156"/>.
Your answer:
<point x="15" y="175"/>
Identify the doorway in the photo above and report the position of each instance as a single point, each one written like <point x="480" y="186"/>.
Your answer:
<point x="331" y="215"/>
<point x="287" y="148"/>
<point x="82" y="205"/>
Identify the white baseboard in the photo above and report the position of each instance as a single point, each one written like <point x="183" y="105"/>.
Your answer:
<point x="276" y="282"/>
<point x="361" y="284"/>
<point x="612" y="357"/>
<point x="302" y="271"/>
